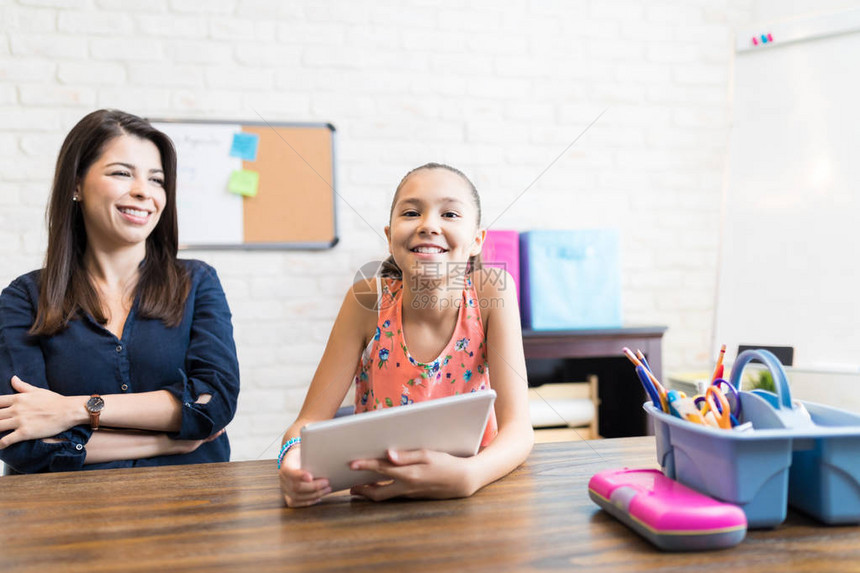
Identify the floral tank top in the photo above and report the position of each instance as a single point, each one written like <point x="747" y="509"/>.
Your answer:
<point x="387" y="375"/>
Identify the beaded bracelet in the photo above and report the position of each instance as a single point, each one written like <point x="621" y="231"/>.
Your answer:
<point x="286" y="448"/>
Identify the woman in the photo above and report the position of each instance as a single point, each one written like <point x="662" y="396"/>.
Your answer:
<point x="116" y="354"/>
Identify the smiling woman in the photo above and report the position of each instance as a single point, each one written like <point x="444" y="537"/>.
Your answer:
<point x="116" y="354"/>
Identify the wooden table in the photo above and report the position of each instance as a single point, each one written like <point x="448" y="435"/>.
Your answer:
<point x="231" y="517"/>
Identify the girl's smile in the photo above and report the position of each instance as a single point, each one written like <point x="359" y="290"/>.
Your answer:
<point x="429" y="250"/>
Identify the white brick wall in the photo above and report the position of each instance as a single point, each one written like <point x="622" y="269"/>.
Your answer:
<point x="498" y="88"/>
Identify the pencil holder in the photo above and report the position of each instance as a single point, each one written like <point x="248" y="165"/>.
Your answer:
<point x="798" y="453"/>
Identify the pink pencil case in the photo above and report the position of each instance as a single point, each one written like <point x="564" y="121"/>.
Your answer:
<point x="668" y="514"/>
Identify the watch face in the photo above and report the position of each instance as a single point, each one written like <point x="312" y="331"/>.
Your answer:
<point x="95" y="404"/>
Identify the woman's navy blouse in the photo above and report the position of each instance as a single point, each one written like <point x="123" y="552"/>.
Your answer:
<point x="197" y="357"/>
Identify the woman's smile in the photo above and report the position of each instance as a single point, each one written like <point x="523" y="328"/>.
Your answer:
<point x="135" y="216"/>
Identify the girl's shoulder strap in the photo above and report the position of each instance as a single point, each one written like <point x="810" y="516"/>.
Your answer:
<point x="470" y="289"/>
<point x="472" y="295"/>
<point x="389" y="291"/>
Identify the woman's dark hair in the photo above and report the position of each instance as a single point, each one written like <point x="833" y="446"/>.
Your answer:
<point x="389" y="267"/>
<point x="66" y="288"/>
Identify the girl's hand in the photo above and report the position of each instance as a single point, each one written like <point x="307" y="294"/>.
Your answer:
<point x="299" y="487"/>
<point x="424" y="474"/>
<point x="35" y="413"/>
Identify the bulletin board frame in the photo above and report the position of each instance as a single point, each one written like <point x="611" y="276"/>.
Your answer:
<point x="292" y="204"/>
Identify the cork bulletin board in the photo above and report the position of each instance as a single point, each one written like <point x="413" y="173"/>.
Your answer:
<point x="254" y="185"/>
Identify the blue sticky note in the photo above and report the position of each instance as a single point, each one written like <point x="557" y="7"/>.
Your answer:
<point x="245" y="146"/>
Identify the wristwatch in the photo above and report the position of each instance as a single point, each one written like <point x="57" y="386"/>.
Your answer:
<point x="94" y="406"/>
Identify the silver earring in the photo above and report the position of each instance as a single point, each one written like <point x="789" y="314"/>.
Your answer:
<point x="75" y="198"/>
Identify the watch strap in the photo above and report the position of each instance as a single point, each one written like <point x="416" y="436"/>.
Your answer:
<point x="94" y="413"/>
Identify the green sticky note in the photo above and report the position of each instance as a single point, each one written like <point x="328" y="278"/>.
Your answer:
<point x="244" y="182"/>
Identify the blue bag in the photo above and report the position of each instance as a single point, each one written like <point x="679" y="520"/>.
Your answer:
<point x="570" y="279"/>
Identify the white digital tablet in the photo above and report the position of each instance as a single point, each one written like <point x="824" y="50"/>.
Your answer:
<point x="454" y="425"/>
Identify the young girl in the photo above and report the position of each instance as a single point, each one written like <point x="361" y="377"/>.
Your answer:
<point x="430" y="327"/>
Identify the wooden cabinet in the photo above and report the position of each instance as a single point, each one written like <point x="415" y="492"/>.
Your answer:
<point x="574" y="355"/>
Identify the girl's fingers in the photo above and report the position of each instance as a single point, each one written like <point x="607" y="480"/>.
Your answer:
<point x="311" y="487"/>
<point x="395" y="459"/>
<point x="407" y="457"/>
<point x="377" y="492"/>
<point x="369" y="465"/>
<point x="306" y="495"/>
<point x="297" y="503"/>
<point x="299" y="491"/>
<point x="298" y="498"/>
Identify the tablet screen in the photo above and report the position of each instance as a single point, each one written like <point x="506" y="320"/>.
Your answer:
<point x="453" y="424"/>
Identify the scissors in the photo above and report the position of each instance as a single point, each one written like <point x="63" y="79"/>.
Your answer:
<point x="731" y="394"/>
<point x="715" y="408"/>
<point x="722" y="413"/>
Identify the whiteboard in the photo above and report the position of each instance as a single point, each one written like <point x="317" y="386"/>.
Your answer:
<point x="254" y="185"/>
<point x="789" y="271"/>
<point x="196" y="177"/>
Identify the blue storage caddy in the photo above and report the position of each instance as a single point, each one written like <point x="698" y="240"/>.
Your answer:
<point x="798" y="453"/>
<point x="570" y="279"/>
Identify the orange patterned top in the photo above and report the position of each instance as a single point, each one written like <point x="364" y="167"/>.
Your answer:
<point x="388" y="376"/>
